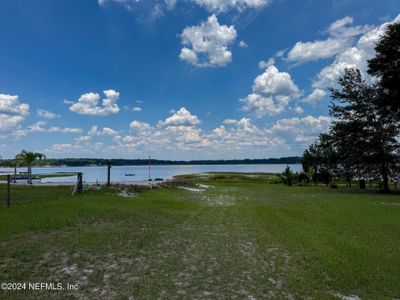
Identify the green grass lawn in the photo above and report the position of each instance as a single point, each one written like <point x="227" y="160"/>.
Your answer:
<point x="242" y="239"/>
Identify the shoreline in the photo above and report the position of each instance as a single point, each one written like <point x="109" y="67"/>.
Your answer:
<point x="139" y="182"/>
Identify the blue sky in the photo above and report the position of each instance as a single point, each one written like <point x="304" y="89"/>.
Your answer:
<point x="177" y="79"/>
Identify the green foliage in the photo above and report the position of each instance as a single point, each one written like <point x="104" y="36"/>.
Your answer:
<point x="364" y="137"/>
<point x="241" y="177"/>
<point x="29" y="158"/>
<point x="287" y="176"/>
<point x="301" y="178"/>
<point x="385" y="65"/>
<point x="363" y="141"/>
<point x="290" y="178"/>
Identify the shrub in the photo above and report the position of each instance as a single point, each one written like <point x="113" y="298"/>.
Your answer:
<point x="287" y="176"/>
<point x="302" y="178"/>
<point x="333" y="185"/>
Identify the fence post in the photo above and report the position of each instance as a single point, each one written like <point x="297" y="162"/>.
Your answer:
<point x="108" y="172"/>
<point x="8" y="190"/>
<point x="79" y="187"/>
<point x="15" y="171"/>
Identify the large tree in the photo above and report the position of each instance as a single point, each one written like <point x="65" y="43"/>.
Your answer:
<point x="365" y="136"/>
<point x="386" y="67"/>
<point x="29" y="158"/>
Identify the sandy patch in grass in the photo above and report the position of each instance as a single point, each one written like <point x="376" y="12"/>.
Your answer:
<point x="215" y="266"/>
<point x="127" y="194"/>
<point x="220" y="200"/>
<point x="196" y="190"/>
<point x="105" y="275"/>
<point x="343" y="297"/>
<point x="205" y="186"/>
<point x="212" y="199"/>
<point x="94" y="275"/>
<point x="200" y="188"/>
<point x="223" y="200"/>
<point x="278" y="263"/>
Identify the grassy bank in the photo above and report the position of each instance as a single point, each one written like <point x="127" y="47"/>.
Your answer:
<point x="241" y="238"/>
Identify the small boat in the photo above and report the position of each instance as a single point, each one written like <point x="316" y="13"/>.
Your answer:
<point x="130" y="174"/>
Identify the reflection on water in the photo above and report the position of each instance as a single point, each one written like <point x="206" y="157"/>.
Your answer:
<point x="118" y="173"/>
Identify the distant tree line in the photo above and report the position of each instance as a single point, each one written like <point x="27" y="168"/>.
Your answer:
<point x="363" y="142"/>
<point x="79" y="162"/>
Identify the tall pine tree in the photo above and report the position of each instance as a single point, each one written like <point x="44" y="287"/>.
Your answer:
<point x="386" y="66"/>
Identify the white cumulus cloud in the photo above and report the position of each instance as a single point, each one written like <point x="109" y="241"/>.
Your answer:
<point x="300" y="130"/>
<point x="95" y="131"/>
<point x="298" y="110"/>
<point x="215" y="6"/>
<point x="341" y="35"/>
<point x="242" y="44"/>
<point x="88" y="104"/>
<point x="262" y="64"/>
<point x="139" y="126"/>
<point x="354" y="56"/>
<point x="272" y="92"/>
<point x="207" y="45"/>
<point x="109" y="131"/>
<point x="40" y="127"/>
<point x="182" y="117"/>
<point x="315" y="95"/>
<point x="82" y="139"/>
<point x="12" y="112"/>
<point x="224" y="5"/>
<point x="128" y="4"/>
<point x="46" y="114"/>
<point x="179" y="136"/>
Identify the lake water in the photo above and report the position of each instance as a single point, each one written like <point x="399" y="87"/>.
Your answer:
<point x="99" y="174"/>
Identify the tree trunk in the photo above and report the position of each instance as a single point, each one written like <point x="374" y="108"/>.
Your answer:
<point x="361" y="184"/>
<point x="385" y="178"/>
<point x="316" y="177"/>
<point x="15" y="173"/>
<point x="386" y="184"/>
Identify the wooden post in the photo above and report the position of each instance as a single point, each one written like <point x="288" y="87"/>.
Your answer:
<point x="8" y="190"/>
<point x="149" y="168"/>
<point x="108" y="172"/>
<point x="79" y="186"/>
<point x="15" y="171"/>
